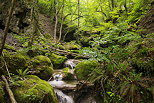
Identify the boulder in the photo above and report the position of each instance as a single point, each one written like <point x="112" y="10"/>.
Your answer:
<point x="68" y="74"/>
<point x="84" y="68"/>
<point x="33" y="90"/>
<point x="57" y="60"/>
<point x="41" y="66"/>
<point x="14" y="62"/>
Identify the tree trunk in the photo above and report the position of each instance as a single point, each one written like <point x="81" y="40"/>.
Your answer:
<point x="78" y="14"/>
<point x="34" y="19"/>
<point x="56" y="22"/>
<point x="7" y="26"/>
<point x="62" y="20"/>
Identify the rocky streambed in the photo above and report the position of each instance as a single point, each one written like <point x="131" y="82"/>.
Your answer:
<point x="71" y="90"/>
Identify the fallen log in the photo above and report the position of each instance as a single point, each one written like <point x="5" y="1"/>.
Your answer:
<point x="9" y="90"/>
<point x="67" y="53"/>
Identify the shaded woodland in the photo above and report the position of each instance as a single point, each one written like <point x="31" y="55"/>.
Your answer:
<point x="106" y="46"/>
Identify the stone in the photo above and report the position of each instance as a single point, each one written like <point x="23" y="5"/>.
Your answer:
<point x="33" y="90"/>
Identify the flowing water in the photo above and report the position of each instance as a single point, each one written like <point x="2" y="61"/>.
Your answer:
<point x="71" y="63"/>
<point x="58" y="84"/>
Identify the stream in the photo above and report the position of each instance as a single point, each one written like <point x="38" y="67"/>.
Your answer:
<point x="59" y="84"/>
<point x="65" y="89"/>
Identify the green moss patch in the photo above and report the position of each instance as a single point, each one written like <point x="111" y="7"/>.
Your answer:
<point x="15" y="61"/>
<point x="57" y="60"/>
<point x="41" y="66"/>
<point x="33" y="90"/>
<point x="67" y="74"/>
<point x="84" y="68"/>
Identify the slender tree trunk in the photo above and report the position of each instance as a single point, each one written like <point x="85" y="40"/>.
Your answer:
<point x="7" y="26"/>
<point x="56" y="21"/>
<point x="78" y="14"/>
<point x="112" y="4"/>
<point x="34" y="19"/>
<point x="125" y="5"/>
<point x="62" y="20"/>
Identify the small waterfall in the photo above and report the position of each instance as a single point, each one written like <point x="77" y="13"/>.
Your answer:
<point x="58" y="84"/>
<point x="71" y="63"/>
<point x="63" y="98"/>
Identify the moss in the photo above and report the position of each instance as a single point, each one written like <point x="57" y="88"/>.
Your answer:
<point x="33" y="90"/>
<point x="41" y="66"/>
<point x="43" y="59"/>
<point x="9" y="47"/>
<point x="2" y="93"/>
<point x="67" y="74"/>
<point x="15" y="61"/>
<point x="84" y="68"/>
<point x="57" y="60"/>
<point x="72" y="46"/>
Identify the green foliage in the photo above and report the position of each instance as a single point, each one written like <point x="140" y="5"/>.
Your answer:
<point x="134" y="88"/>
<point x="45" y="6"/>
<point x="22" y="73"/>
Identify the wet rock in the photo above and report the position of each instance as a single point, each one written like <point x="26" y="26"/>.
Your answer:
<point x="72" y="46"/>
<point x="84" y="93"/>
<point x="68" y="74"/>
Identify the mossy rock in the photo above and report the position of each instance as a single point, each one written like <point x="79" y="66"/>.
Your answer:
<point x="68" y="75"/>
<point x="84" y="68"/>
<point x="33" y="90"/>
<point x="15" y="61"/>
<point x="57" y="60"/>
<point x="2" y="93"/>
<point x="72" y="46"/>
<point x="41" y="66"/>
